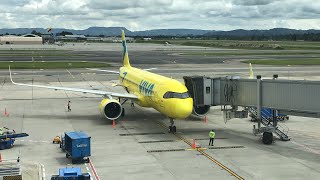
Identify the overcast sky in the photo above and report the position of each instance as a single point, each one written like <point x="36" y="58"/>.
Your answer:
<point x="161" y="14"/>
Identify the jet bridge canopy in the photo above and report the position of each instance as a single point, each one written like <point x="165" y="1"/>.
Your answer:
<point x="299" y="97"/>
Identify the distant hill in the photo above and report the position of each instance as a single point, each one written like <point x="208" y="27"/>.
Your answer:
<point x="114" y="31"/>
<point x="270" y="32"/>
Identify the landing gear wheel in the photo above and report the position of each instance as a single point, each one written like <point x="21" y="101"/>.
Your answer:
<point x="267" y="138"/>
<point x="174" y="129"/>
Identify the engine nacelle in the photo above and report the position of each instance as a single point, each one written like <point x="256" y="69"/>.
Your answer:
<point x="200" y="110"/>
<point x="110" y="108"/>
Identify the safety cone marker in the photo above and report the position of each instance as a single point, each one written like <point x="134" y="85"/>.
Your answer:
<point x="205" y="119"/>
<point x="113" y="124"/>
<point x="194" y="144"/>
<point x="0" y="158"/>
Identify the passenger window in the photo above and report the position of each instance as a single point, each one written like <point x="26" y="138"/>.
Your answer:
<point x="208" y="90"/>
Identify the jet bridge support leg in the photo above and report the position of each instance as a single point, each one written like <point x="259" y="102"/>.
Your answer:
<point x="267" y="136"/>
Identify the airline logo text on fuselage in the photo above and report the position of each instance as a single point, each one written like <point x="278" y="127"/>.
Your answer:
<point x="146" y="88"/>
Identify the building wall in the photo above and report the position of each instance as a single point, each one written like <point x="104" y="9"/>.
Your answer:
<point x="20" y="40"/>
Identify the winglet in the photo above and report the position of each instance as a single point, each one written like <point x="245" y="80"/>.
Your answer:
<point x="251" y="72"/>
<point x="126" y="61"/>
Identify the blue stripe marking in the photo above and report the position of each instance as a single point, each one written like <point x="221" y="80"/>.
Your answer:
<point x="146" y="88"/>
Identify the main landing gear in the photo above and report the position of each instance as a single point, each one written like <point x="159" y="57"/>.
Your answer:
<point x="172" y="128"/>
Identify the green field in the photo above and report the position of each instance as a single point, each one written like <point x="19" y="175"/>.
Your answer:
<point x="237" y="44"/>
<point x="314" y="61"/>
<point x="246" y="53"/>
<point x="37" y="55"/>
<point x="51" y="65"/>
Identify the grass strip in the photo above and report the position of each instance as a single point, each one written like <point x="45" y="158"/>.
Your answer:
<point x="314" y="61"/>
<point x="51" y="65"/>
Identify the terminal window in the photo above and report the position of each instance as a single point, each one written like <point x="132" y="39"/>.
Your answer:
<point x="207" y="90"/>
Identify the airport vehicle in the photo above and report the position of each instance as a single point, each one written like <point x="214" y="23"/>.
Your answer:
<point x="71" y="174"/>
<point x="8" y="138"/>
<point x="56" y="140"/>
<point x="77" y="146"/>
<point x="268" y="114"/>
<point x="168" y="96"/>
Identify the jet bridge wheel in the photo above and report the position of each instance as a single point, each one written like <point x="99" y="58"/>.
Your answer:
<point x="267" y="138"/>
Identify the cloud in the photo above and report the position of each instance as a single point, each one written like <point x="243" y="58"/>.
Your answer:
<point x="159" y="14"/>
<point x="253" y="2"/>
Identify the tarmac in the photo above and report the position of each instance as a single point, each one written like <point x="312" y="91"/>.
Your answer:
<point x="139" y="146"/>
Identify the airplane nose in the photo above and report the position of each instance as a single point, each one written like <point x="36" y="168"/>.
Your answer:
<point x="184" y="108"/>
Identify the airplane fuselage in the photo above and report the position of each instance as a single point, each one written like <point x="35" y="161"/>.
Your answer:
<point x="168" y="96"/>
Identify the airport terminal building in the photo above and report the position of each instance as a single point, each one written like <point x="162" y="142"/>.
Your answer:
<point x="24" y="39"/>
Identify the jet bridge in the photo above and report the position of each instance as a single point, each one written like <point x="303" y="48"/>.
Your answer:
<point x="295" y="97"/>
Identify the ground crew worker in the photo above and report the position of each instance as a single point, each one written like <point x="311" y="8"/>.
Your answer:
<point x="212" y="134"/>
<point x="1" y="133"/>
<point x="69" y="109"/>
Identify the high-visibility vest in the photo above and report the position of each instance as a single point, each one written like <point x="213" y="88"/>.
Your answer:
<point x="212" y="134"/>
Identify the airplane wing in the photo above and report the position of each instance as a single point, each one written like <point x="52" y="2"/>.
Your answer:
<point x="98" y="92"/>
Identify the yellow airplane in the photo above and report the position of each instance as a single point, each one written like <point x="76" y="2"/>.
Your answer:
<point x="168" y="96"/>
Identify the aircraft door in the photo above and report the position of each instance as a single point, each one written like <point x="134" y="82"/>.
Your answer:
<point x="158" y="98"/>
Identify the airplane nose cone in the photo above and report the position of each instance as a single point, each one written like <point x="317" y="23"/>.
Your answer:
<point x="184" y="108"/>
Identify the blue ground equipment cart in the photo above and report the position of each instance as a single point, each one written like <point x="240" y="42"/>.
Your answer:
<point x="7" y="138"/>
<point x="71" y="174"/>
<point x="77" y="146"/>
<point x="267" y="114"/>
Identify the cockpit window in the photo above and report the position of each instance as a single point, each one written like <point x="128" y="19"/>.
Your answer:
<point x="169" y="95"/>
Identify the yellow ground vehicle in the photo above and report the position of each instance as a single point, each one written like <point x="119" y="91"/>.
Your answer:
<point x="56" y="140"/>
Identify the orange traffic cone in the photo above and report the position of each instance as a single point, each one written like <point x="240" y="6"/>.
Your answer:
<point x="5" y="112"/>
<point x="194" y="144"/>
<point x="113" y="124"/>
<point x="205" y="119"/>
<point x="0" y="158"/>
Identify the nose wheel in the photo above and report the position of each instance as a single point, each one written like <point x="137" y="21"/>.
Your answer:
<point x="172" y="128"/>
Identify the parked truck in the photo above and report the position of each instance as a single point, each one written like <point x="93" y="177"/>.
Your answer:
<point x="77" y="146"/>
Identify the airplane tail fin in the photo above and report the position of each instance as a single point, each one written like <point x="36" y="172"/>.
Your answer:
<point x="251" y="72"/>
<point x="126" y="61"/>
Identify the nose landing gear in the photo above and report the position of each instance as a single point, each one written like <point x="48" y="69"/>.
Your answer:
<point x="172" y="128"/>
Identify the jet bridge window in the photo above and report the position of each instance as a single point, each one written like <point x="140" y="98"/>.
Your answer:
<point x="169" y="95"/>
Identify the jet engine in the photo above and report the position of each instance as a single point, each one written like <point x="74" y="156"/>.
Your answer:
<point x="111" y="108"/>
<point x="200" y="110"/>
